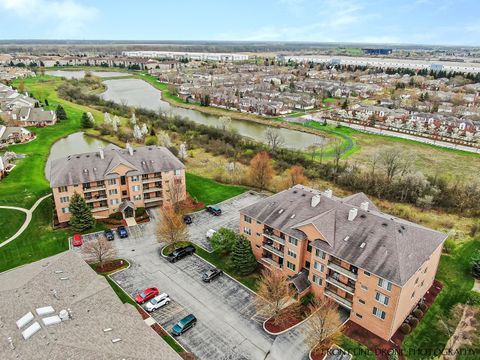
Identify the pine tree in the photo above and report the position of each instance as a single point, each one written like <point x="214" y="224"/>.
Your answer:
<point x="85" y="121"/>
<point x="243" y="260"/>
<point x="61" y="114"/>
<point x="82" y="217"/>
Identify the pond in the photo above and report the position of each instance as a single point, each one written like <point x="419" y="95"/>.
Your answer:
<point x="73" y="74"/>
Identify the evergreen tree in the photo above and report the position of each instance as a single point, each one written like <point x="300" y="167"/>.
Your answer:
<point x="85" y="121"/>
<point x="61" y="114"/>
<point x="46" y="102"/>
<point x="82" y="218"/>
<point x="243" y="260"/>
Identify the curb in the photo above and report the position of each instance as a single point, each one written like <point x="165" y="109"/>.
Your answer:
<point x="286" y="330"/>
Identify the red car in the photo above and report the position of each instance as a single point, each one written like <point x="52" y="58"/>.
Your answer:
<point x="77" y="240"/>
<point x="146" y="295"/>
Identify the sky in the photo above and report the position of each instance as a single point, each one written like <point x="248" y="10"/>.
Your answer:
<point x="436" y="22"/>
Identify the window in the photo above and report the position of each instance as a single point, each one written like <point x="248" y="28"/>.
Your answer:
<point x="383" y="299"/>
<point x="64" y="199"/>
<point x="247" y="231"/>
<point x="113" y="192"/>
<point x="319" y="253"/>
<point x="65" y="210"/>
<point x="361" y="301"/>
<point x="112" y="181"/>
<point x="358" y="315"/>
<point x="385" y="284"/>
<point x="364" y="287"/>
<point x="416" y="281"/>
<point x="309" y="247"/>
<point x="137" y="197"/>
<point x="317" y="280"/>
<point x="318" y="266"/>
<point x="144" y="176"/>
<point x="366" y="273"/>
<point x="136" y="188"/>
<point x="258" y="222"/>
<point x="62" y="189"/>
<point x="247" y="219"/>
<point x="292" y="253"/>
<point x="413" y="294"/>
<point x="135" y="178"/>
<point x="114" y="201"/>
<point x="177" y="172"/>
<point x="123" y="181"/>
<point x="423" y="281"/>
<point x="379" y="313"/>
<point x="293" y="241"/>
<point x="290" y="265"/>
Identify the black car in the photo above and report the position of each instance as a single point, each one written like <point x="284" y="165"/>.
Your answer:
<point x="187" y="219"/>
<point x="109" y="235"/>
<point x="214" y="210"/>
<point x="183" y="325"/>
<point x="180" y="253"/>
<point x="211" y="274"/>
<point x="122" y="232"/>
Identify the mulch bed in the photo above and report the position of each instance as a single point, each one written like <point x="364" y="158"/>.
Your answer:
<point x="287" y="321"/>
<point x="158" y="329"/>
<point x="376" y="344"/>
<point x="110" y="266"/>
<point x="143" y="313"/>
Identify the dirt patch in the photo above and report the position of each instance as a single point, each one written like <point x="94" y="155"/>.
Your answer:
<point x="464" y="332"/>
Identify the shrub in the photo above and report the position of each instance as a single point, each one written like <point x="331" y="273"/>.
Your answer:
<point x="422" y="307"/>
<point x="140" y="212"/>
<point x="307" y="299"/>
<point x="405" y="328"/>
<point x="116" y="215"/>
<point x="449" y="245"/>
<point x="418" y="313"/>
<point x="413" y="322"/>
<point x="151" y="140"/>
<point x="393" y="355"/>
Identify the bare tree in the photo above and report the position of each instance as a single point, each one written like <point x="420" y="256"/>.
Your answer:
<point x="275" y="296"/>
<point x="176" y="189"/>
<point x="274" y="138"/>
<point x="337" y="154"/>
<point x="224" y="123"/>
<point x="395" y="161"/>
<point x="99" y="251"/>
<point x="171" y="229"/>
<point x="324" y="325"/>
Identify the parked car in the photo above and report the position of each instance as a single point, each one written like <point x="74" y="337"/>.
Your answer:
<point x="210" y="233"/>
<point x="157" y="302"/>
<point x="187" y="219"/>
<point x="122" y="232"/>
<point x="183" y="325"/>
<point x="211" y="274"/>
<point x="109" y="235"/>
<point x="180" y="253"/>
<point x="146" y="295"/>
<point x="77" y="240"/>
<point x="214" y="210"/>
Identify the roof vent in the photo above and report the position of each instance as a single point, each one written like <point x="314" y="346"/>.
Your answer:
<point x="116" y="340"/>
<point x="362" y="245"/>
<point x="46" y="310"/>
<point x="51" y="320"/>
<point x="384" y="224"/>
<point x="24" y="320"/>
<point x="31" y="330"/>
<point x="294" y="191"/>
<point x="63" y="314"/>
<point x="58" y="271"/>
<point x="107" y="330"/>
<point x="293" y="215"/>
<point x="352" y="214"/>
<point x="281" y="211"/>
<point x="364" y="206"/>
<point x="85" y="170"/>
<point x="346" y="238"/>
<point x="315" y="200"/>
<point x="329" y="193"/>
<point x="304" y="194"/>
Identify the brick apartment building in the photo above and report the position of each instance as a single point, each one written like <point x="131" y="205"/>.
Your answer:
<point x="377" y="266"/>
<point x="115" y="179"/>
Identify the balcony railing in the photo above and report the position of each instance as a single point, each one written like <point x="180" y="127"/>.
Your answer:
<point x="339" y="284"/>
<point x="93" y="199"/>
<point x="273" y="250"/>
<point x="152" y="189"/>
<point x="342" y="270"/>
<point x="342" y="301"/>
<point x="96" y="188"/>
<point x="152" y="179"/>
<point x="100" y="208"/>
<point x="274" y="238"/>
<point x="271" y="262"/>
<point x="152" y="199"/>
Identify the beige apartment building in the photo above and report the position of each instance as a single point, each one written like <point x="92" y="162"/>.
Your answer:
<point x="376" y="266"/>
<point x="118" y="180"/>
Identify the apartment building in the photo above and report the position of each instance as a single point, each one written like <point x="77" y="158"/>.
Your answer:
<point x="376" y="266"/>
<point x="118" y="180"/>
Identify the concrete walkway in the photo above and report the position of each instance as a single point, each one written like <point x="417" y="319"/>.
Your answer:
<point x="28" y="212"/>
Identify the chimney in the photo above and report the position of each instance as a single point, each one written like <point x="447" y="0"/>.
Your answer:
<point x="329" y="193"/>
<point x="352" y="214"/>
<point x="364" y="206"/>
<point x="130" y="149"/>
<point x="315" y="200"/>
<point x="100" y="151"/>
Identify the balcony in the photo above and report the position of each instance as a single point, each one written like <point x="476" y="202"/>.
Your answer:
<point x="152" y="199"/>
<point x="100" y="208"/>
<point x="152" y="179"/>
<point x="274" y="238"/>
<point x="91" y="189"/>
<point x="273" y="250"/>
<point x="93" y="199"/>
<point x="339" y="284"/>
<point x="340" y="300"/>
<point x="271" y="262"/>
<point x="343" y="271"/>
<point x="152" y="189"/>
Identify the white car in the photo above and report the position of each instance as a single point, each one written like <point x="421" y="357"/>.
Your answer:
<point x="157" y="302"/>
<point x="210" y="233"/>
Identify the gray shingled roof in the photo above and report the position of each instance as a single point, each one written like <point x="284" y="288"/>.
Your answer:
<point x="94" y="307"/>
<point x="394" y="248"/>
<point x="87" y="167"/>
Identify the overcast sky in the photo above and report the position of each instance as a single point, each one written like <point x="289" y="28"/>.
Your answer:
<point x="449" y="22"/>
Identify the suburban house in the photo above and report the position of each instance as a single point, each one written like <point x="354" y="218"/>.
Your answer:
<point x="118" y="180"/>
<point x="14" y="135"/>
<point x="376" y="266"/>
<point x="31" y="116"/>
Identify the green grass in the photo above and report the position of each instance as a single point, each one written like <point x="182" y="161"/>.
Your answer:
<point x="10" y="222"/>
<point x="120" y="293"/>
<point x="173" y="344"/>
<point x="454" y="273"/>
<point x="210" y="192"/>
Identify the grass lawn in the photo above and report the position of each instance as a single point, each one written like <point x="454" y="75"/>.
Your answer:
<point x="173" y="344"/>
<point x="209" y="191"/>
<point x="454" y="273"/>
<point x="10" y="222"/>
<point x="120" y="293"/>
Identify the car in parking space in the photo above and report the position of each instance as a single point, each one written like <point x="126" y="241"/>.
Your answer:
<point x="109" y="235"/>
<point x="77" y="240"/>
<point x="211" y="274"/>
<point x="214" y="210"/>
<point x="157" y="302"/>
<point x="183" y="325"/>
<point x="122" y="232"/>
<point x="187" y="219"/>
<point x="146" y="295"/>
<point x="180" y="253"/>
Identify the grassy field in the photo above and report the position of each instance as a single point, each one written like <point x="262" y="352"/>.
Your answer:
<point x="10" y="222"/>
<point x="209" y="191"/>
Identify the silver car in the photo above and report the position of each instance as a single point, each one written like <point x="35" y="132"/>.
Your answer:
<point x="157" y="302"/>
